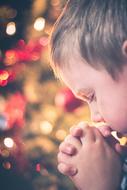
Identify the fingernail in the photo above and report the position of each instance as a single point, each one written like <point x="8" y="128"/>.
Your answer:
<point x="69" y="150"/>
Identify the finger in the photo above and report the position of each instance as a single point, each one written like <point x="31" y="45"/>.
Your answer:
<point x="64" y="158"/>
<point x="88" y="132"/>
<point x="97" y="134"/>
<point x="67" y="148"/>
<point x="67" y="169"/>
<point x="73" y="141"/>
<point x="105" y="130"/>
<point x="73" y="127"/>
<point x="82" y="124"/>
<point x="76" y="132"/>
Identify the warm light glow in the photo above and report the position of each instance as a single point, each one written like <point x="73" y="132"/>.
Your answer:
<point x="5" y="153"/>
<point x="61" y="134"/>
<point x="4" y="75"/>
<point x="39" y="24"/>
<point x="55" y="2"/>
<point x="50" y="113"/>
<point x="60" y="99"/>
<point x="8" y="142"/>
<point x="46" y="127"/>
<point x="44" y="41"/>
<point x="38" y="167"/>
<point x="11" y="57"/>
<point x="123" y="141"/>
<point x="11" y="28"/>
<point x="7" y="165"/>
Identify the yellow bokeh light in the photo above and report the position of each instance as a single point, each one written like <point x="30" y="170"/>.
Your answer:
<point x="39" y="24"/>
<point x="4" y="75"/>
<point x="46" y="127"/>
<point x="61" y="134"/>
<point x="8" y="142"/>
<point x="11" y="28"/>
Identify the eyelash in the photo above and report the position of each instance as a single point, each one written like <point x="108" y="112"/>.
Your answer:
<point x="90" y="98"/>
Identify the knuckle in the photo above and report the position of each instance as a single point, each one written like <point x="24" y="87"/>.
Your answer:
<point x="67" y="169"/>
<point x="61" y="146"/>
<point x="64" y="169"/>
<point x="72" y="128"/>
<point x="83" y="124"/>
<point x="67" y="138"/>
<point x="59" y="157"/>
<point x="67" y="148"/>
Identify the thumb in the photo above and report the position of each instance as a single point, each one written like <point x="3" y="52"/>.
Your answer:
<point x="105" y="130"/>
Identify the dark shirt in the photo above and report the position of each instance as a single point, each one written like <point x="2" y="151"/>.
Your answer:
<point x="124" y="178"/>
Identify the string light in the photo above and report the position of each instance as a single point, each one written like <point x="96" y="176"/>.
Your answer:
<point x="7" y="165"/>
<point x="39" y="24"/>
<point x="11" y="28"/>
<point x="8" y="142"/>
<point x="38" y="167"/>
<point x="10" y="57"/>
<point x="4" y="75"/>
<point x="46" y="127"/>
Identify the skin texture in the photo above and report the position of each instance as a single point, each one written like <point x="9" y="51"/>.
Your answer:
<point x="97" y="165"/>
<point x="85" y="155"/>
<point x="105" y="96"/>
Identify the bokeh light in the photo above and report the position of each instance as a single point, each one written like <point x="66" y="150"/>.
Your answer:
<point x="39" y="24"/>
<point x="61" y="134"/>
<point x="46" y="127"/>
<point x="7" y="165"/>
<point x="8" y="142"/>
<point x="11" y="28"/>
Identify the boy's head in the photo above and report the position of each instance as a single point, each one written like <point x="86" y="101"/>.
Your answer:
<point x="93" y="29"/>
<point x="89" y="52"/>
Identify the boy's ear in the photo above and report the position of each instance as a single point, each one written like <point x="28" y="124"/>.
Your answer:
<point x="124" y="48"/>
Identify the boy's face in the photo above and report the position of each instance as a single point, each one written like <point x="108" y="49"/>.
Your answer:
<point x="106" y="97"/>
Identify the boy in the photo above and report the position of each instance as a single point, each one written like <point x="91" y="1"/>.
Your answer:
<point x="89" y="53"/>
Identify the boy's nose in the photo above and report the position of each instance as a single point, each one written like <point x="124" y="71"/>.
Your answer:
<point x="96" y="117"/>
<point x="95" y="114"/>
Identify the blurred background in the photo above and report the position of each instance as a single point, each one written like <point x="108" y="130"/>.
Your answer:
<point x="36" y="110"/>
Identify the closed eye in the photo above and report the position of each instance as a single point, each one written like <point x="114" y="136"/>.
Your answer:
<point x="92" y="98"/>
<point x="89" y="97"/>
